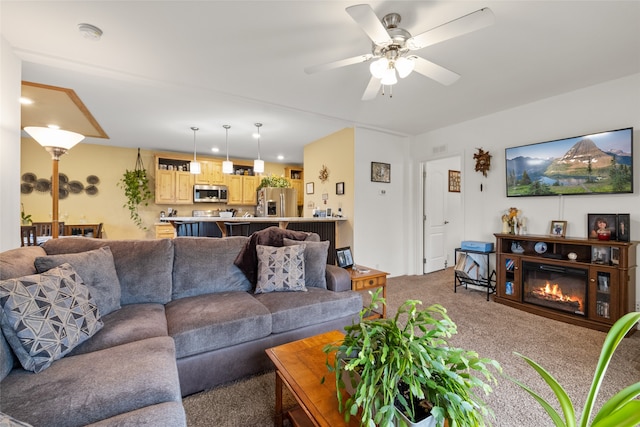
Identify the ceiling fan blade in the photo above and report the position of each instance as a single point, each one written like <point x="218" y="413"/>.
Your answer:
<point x="364" y="16"/>
<point x="372" y="89"/>
<point x="466" y="24"/>
<point x="434" y="71"/>
<point x="337" y="64"/>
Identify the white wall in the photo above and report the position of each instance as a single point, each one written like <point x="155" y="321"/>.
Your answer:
<point x="607" y="106"/>
<point x="10" y="77"/>
<point x="381" y="222"/>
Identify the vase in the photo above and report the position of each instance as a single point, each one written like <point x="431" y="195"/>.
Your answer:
<point x="430" y="421"/>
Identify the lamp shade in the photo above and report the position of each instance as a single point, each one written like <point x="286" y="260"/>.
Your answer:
<point x="258" y="166"/>
<point x="227" y="166"/>
<point x="378" y="67"/>
<point x="389" y="77"/>
<point x="56" y="138"/>
<point x="194" y="167"/>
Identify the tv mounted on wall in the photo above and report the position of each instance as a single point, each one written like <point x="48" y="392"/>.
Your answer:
<point x="599" y="163"/>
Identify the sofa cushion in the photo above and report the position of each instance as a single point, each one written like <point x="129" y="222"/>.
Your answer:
<point x="84" y="389"/>
<point x="98" y="272"/>
<point x="292" y="310"/>
<point x="44" y="316"/>
<point x="144" y="266"/>
<point x="280" y="269"/>
<point x="208" y="322"/>
<point x="133" y="322"/>
<point x="169" y="414"/>
<point x="315" y="262"/>
<point x="247" y="259"/>
<point x="205" y="265"/>
<point x="19" y="262"/>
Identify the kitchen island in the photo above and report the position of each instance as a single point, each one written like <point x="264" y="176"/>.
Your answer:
<point x="326" y="227"/>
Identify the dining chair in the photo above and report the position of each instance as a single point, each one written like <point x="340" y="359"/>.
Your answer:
<point x="44" y="228"/>
<point x="28" y="235"/>
<point x="187" y="228"/>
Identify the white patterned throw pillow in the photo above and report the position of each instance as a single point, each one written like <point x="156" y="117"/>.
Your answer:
<point x="280" y="269"/>
<point x="45" y="316"/>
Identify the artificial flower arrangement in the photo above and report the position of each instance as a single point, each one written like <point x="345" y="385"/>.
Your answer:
<point x="513" y="222"/>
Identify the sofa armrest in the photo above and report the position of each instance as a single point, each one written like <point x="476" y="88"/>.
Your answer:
<point x="338" y="279"/>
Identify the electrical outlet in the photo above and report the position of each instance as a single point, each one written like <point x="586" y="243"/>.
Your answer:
<point x="637" y="305"/>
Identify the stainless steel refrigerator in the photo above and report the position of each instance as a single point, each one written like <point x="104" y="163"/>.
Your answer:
<point x="278" y="202"/>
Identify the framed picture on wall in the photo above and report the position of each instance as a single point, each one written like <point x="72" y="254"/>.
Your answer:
<point x="309" y="187"/>
<point x="380" y="172"/>
<point x="454" y="181"/>
<point x="340" y="188"/>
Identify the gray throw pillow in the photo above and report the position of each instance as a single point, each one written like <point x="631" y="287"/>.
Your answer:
<point x="280" y="269"/>
<point x="45" y="316"/>
<point x="98" y="271"/>
<point x="315" y="262"/>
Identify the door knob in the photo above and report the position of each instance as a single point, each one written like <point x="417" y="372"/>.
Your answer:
<point x="446" y="222"/>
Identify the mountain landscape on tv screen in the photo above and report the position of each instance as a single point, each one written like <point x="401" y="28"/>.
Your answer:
<point x="583" y="169"/>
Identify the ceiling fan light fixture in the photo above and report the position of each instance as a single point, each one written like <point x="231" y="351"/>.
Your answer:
<point x="404" y="66"/>
<point x="389" y="78"/>
<point x="378" y="67"/>
<point x="227" y="165"/>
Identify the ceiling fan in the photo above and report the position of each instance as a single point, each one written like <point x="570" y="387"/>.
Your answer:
<point x="392" y="47"/>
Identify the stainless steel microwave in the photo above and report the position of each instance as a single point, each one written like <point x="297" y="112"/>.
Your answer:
<point x="210" y="194"/>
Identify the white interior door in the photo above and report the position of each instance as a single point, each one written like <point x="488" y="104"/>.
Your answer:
<point x="442" y="214"/>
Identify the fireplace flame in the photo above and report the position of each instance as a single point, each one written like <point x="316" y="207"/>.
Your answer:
<point x="554" y="293"/>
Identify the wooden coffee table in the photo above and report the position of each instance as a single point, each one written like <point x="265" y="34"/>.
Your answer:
<point x="300" y="366"/>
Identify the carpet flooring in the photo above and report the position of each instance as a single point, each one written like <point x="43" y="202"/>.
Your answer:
<point x="568" y="352"/>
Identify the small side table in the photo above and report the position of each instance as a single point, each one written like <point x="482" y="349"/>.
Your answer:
<point x="463" y="278"/>
<point x="365" y="278"/>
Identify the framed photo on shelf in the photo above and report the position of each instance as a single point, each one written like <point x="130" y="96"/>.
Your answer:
<point x="454" y="181"/>
<point x="615" y="255"/>
<point x="340" y="188"/>
<point x="380" y="172"/>
<point x="558" y="228"/>
<point x="601" y="226"/>
<point x="309" y="188"/>
<point x="622" y="227"/>
<point x="600" y="254"/>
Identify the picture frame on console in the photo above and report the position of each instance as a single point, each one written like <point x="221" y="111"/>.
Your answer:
<point x="602" y="226"/>
<point x="623" y="230"/>
<point x="600" y="255"/>
<point x="558" y="228"/>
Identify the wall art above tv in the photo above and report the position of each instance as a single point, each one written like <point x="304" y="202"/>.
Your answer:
<point x="599" y="163"/>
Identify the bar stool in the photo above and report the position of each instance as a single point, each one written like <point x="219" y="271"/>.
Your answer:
<point x="187" y="228"/>
<point x="237" y="228"/>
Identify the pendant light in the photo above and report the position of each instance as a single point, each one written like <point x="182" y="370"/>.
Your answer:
<point x="258" y="164"/>
<point x="194" y="166"/>
<point x="227" y="165"/>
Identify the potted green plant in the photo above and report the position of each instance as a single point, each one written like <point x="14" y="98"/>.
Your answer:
<point x="26" y="219"/>
<point x="622" y="410"/>
<point x="135" y="184"/>
<point x="394" y="365"/>
<point x="274" y="181"/>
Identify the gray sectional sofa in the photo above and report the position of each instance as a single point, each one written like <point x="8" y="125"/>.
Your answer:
<point x="180" y="318"/>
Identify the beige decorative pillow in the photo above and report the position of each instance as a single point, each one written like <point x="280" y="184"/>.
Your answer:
<point x="315" y="262"/>
<point x="280" y="269"/>
<point x="45" y="316"/>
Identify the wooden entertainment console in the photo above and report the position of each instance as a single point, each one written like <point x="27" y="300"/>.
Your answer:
<point x="608" y="267"/>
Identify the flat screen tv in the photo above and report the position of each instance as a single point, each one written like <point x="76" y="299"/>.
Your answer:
<point x="600" y="163"/>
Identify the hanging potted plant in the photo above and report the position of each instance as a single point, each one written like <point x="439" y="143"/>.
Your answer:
<point x="135" y="184"/>
<point x="397" y="367"/>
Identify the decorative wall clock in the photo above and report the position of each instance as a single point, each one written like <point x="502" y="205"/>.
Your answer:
<point x="483" y="161"/>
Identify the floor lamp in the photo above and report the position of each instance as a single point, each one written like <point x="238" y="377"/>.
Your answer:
<point x="57" y="142"/>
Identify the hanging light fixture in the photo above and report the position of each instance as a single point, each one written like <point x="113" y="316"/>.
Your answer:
<point x="258" y="164"/>
<point x="227" y="165"/>
<point x="57" y="142"/>
<point x="386" y="66"/>
<point x="194" y="166"/>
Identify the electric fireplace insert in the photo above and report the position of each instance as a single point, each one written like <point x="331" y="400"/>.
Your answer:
<point x="556" y="287"/>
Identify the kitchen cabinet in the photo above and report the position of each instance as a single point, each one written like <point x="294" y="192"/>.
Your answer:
<point x="242" y="189"/>
<point x="174" y="184"/>
<point x="211" y="173"/>
<point x="296" y="178"/>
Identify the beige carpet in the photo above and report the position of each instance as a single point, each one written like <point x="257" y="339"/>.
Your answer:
<point x="569" y="352"/>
